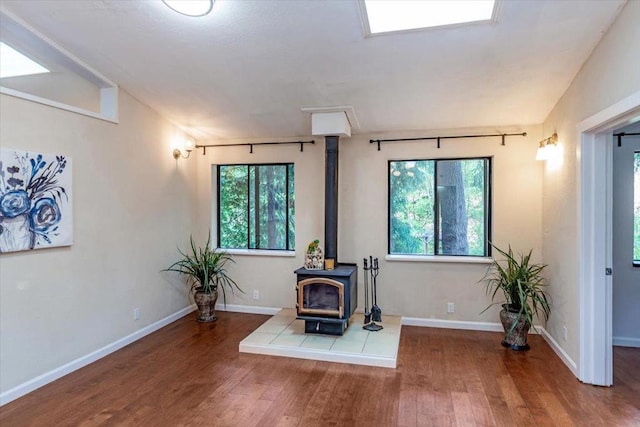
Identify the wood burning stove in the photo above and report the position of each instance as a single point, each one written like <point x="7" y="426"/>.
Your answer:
<point x="326" y="299"/>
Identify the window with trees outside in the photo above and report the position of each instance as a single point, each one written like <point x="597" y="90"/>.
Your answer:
<point x="636" y="209"/>
<point x="440" y="207"/>
<point x="256" y="206"/>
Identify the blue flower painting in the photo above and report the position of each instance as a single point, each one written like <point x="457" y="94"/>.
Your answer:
<point x="35" y="201"/>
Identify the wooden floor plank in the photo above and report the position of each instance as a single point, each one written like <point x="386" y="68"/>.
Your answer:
<point x="191" y="374"/>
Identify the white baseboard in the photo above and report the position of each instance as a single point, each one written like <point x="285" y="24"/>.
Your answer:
<point x="452" y="324"/>
<point x="566" y="359"/>
<point x="626" y="342"/>
<point x="466" y="325"/>
<point x="252" y="309"/>
<point x="46" y="378"/>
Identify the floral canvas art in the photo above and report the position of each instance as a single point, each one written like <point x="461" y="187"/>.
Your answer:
<point x="35" y="201"/>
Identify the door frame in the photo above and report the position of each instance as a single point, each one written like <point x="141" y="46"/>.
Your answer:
<point x="594" y="166"/>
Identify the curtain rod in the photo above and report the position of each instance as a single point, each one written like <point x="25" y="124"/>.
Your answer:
<point x="251" y="144"/>
<point x="621" y="134"/>
<point x="438" y="138"/>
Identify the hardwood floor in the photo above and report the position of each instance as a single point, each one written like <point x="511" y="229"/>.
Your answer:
<point x="191" y="374"/>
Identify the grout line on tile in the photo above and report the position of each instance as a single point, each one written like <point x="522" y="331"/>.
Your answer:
<point x="365" y="342"/>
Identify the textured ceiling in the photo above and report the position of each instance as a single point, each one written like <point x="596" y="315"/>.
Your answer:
<point x="248" y="68"/>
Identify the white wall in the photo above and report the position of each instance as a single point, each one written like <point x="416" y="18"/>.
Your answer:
<point x="626" y="277"/>
<point x="132" y="206"/>
<point x="415" y="289"/>
<point x="611" y="73"/>
<point x="271" y="275"/>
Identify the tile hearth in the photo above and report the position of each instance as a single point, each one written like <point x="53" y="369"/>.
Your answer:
<point x="283" y="335"/>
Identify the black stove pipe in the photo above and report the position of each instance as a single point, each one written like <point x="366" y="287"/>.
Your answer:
<point x="331" y="198"/>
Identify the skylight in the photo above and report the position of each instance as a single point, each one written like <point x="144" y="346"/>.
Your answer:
<point x="398" y="15"/>
<point x="14" y="64"/>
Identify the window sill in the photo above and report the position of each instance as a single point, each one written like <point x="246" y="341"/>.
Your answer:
<point x="445" y="259"/>
<point x="259" y="252"/>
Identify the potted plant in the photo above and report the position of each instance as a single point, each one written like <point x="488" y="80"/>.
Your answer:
<point x="522" y="285"/>
<point x="206" y="274"/>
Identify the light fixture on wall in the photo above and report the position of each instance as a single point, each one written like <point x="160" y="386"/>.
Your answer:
<point x="188" y="146"/>
<point x="547" y="147"/>
<point x="190" y="7"/>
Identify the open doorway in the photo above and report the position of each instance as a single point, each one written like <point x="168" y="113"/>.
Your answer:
<point x="595" y="237"/>
<point x="626" y="252"/>
<point x="626" y="236"/>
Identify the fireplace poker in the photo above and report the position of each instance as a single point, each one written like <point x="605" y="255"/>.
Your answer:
<point x="367" y="314"/>
<point x="376" y="312"/>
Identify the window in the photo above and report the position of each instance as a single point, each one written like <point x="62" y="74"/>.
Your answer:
<point x="636" y="209"/>
<point x="256" y="207"/>
<point x="397" y="15"/>
<point x="440" y="207"/>
<point x="36" y="69"/>
<point x="15" y="64"/>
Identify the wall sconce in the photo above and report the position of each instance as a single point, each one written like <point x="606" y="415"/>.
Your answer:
<point x="188" y="146"/>
<point x="547" y="148"/>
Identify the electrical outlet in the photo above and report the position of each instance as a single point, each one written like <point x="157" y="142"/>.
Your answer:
<point x="451" y="307"/>
<point x="136" y="314"/>
<point x="256" y="294"/>
<point x="565" y="333"/>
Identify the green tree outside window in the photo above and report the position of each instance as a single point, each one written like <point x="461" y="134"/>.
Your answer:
<point x="439" y="207"/>
<point x="256" y="206"/>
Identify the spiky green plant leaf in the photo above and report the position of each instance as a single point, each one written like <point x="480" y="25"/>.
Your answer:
<point x="205" y="268"/>
<point x="522" y="284"/>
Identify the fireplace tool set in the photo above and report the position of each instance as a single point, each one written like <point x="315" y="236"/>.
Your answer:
<point x="371" y="270"/>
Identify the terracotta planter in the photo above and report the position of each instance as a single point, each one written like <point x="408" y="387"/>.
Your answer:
<point x="206" y="305"/>
<point x="515" y="338"/>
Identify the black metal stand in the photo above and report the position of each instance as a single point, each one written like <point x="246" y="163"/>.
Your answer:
<point x="375" y="315"/>
<point x="373" y="327"/>
<point x="515" y="347"/>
